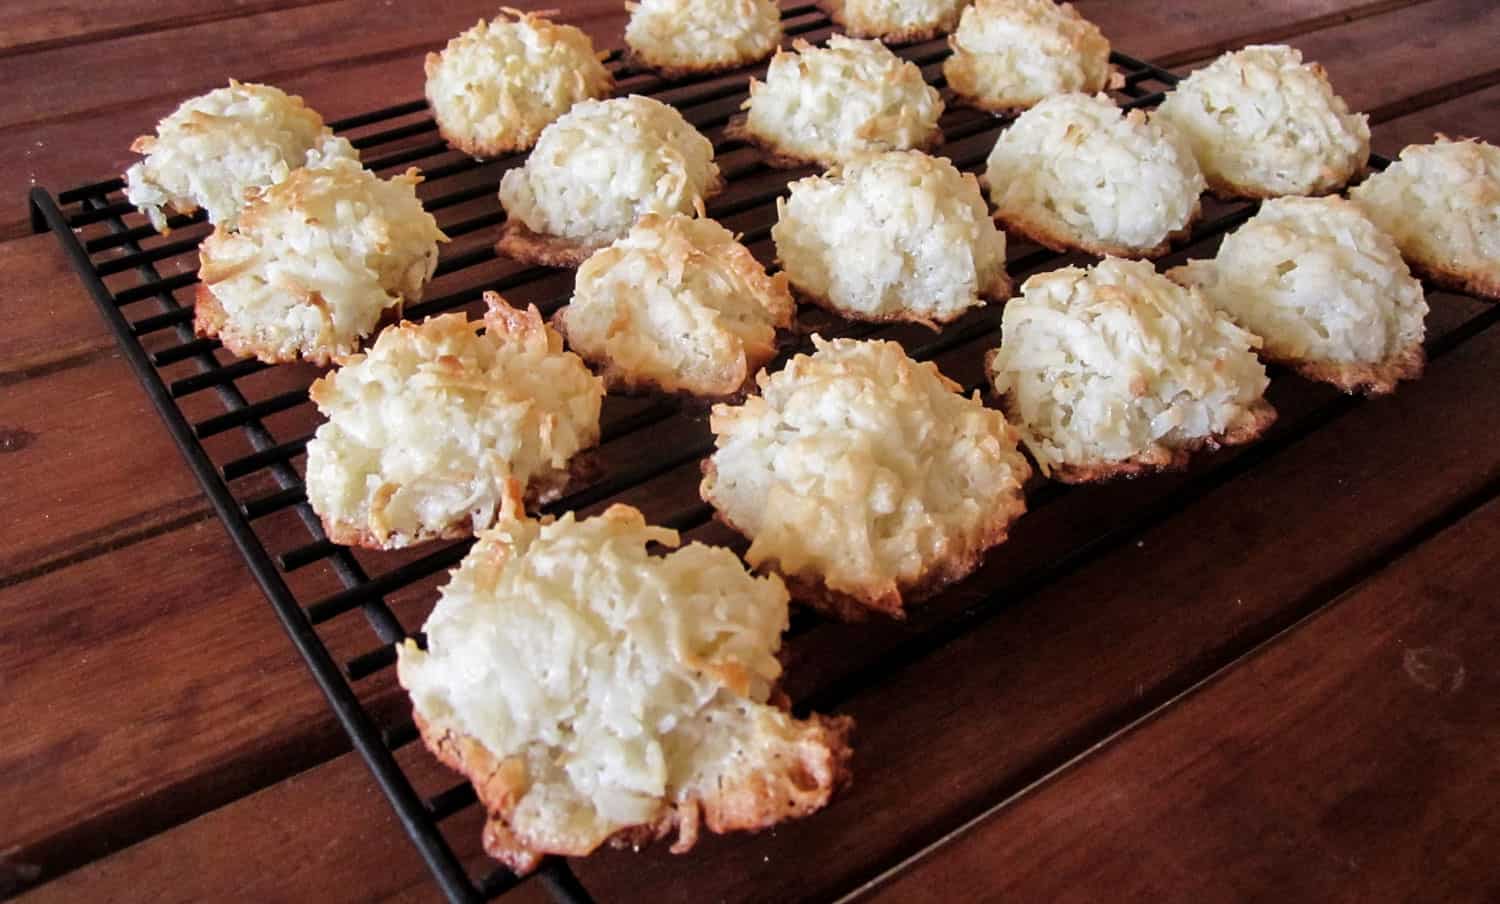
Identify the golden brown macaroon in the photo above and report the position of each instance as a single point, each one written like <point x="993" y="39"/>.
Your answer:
<point x="315" y="264"/>
<point x="1262" y="124"/>
<point x="677" y="305"/>
<point x="1116" y="370"/>
<point x="597" y="170"/>
<point x="1325" y="290"/>
<point x="1009" y="55"/>
<point x="830" y="104"/>
<point x="896" y="21"/>
<point x="496" y="86"/>
<point x="596" y="692"/>
<point x="680" y="38"/>
<point x="1077" y="172"/>
<point x="439" y="421"/>
<point x="216" y="150"/>
<point x="864" y="478"/>
<point x="894" y="236"/>
<point x="1441" y="203"/>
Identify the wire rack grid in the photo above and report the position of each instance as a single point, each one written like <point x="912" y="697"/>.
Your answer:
<point x="242" y="426"/>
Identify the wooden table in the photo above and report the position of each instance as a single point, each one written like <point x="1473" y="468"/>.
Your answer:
<point x="1281" y="682"/>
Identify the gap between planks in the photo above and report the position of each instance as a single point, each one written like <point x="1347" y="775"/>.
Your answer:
<point x="156" y="26"/>
<point x="1281" y="33"/>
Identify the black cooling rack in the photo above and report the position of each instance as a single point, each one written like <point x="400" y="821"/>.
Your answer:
<point x="230" y="422"/>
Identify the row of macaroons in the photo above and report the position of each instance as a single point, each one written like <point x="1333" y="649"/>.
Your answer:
<point x="1072" y="171"/>
<point x="494" y="87"/>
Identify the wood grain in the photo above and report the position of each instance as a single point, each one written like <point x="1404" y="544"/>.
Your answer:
<point x="54" y="326"/>
<point x="1352" y="760"/>
<point x="153" y="684"/>
<point x="1473" y="115"/>
<point x="32" y="25"/>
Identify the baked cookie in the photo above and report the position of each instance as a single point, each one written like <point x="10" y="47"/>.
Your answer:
<point x="893" y="236"/>
<point x="679" y="38"/>
<point x="315" y="263"/>
<point x="864" y="478"/>
<point x="1009" y="55"/>
<point x="1441" y="203"/>
<point x="430" y="429"/>
<point x="593" y="691"/>
<point x="1076" y="171"/>
<point x="595" y="171"/>
<point x="496" y="86"/>
<point x="215" y="149"/>
<point x="1325" y="290"/>
<point x="1262" y="123"/>
<point x="677" y="305"/>
<point x="828" y="104"/>
<point x="897" y="21"/>
<point x="1116" y="370"/>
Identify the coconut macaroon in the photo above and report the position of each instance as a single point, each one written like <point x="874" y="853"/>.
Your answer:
<point x="1441" y="203"/>
<point x="1009" y="55"/>
<point x="1325" y="290"/>
<point x="1116" y="370"/>
<point x="593" y="691"/>
<point x="864" y="478"/>
<point x="679" y="38"/>
<point x="828" y="104"/>
<point x="496" y="86"/>
<point x="430" y="429"/>
<point x="1262" y="123"/>
<point x="895" y="20"/>
<point x="597" y="170"/>
<point x="1076" y="171"/>
<point x="894" y="236"/>
<point x="214" y="149"/>
<point x="315" y="264"/>
<point x="677" y="305"/>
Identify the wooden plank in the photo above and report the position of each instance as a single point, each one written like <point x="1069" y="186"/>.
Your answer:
<point x="32" y="25"/>
<point x="1476" y="114"/>
<point x="52" y="325"/>
<point x="87" y="467"/>
<point x="146" y="687"/>
<point x="986" y="712"/>
<point x="1359" y="765"/>
<point x="1172" y="34"/>
<point x="291" y="855"/>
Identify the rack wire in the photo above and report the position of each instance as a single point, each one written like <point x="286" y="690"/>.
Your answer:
<point x="243" y="435"/>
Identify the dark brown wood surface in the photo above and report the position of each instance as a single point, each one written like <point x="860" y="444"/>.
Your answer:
<point x="165" y="742"/>
<point x="1360" y="765"/>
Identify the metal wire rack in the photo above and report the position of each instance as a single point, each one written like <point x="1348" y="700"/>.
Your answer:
<point x="242" y="426"/>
